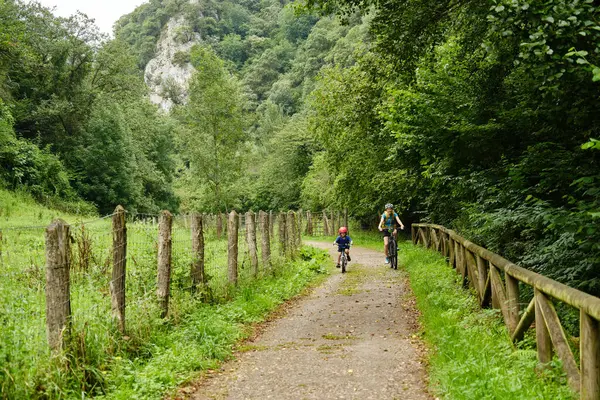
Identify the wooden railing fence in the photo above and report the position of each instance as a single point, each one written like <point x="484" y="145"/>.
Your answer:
<point x="496" y="282"/>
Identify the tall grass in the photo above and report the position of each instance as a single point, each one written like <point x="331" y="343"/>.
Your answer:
<point x="155" y="354"/>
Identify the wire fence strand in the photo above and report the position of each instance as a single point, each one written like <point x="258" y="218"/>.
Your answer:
<point x="93" y="329"/>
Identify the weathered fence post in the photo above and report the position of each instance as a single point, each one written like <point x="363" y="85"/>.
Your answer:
<point x="165" y="224"/>
<point x="219" y="225"/>
<point x="309" y="224"/>
<point x="251" y="240"/>
<point x="58" y="299"/>
<point x="232" y="248"/>
<point x="197" y="231"/>
<point x="271" y="224"/>
<point x="291" y="234"/>
<point x="299" y="229"/>
<point x="119" y="250"/>
<point x="590" y="357"/>
<point x="512" y="302"/>
<point x="282" y="234"/>
<point x="265" y="239"/>
<point x="543" y="341"/>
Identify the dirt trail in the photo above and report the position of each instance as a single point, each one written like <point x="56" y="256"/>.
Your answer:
<point x="351" y="338"/>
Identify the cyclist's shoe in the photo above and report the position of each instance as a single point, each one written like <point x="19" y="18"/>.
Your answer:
<point x="387" y="260"/>
<point x="338" y="266"/>
<point x="349" y="259"/>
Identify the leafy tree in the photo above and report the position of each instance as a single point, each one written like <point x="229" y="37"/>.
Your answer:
<point x="289" y="158"/>
<point x="103" y="159"/>
<point x="212" y="137"/>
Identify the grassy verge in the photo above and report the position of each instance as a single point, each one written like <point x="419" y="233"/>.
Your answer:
<point x="207" y="335"/>
<point x="471" y="353"/>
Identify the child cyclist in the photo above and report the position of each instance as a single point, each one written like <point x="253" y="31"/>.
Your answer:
<point x="389" y="220"/>
<point x="343" y="242"/>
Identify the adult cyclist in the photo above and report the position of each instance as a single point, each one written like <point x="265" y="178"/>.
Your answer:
<point x="389" y="220"/>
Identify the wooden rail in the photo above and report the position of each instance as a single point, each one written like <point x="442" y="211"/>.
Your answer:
<point x="496" y="282"/>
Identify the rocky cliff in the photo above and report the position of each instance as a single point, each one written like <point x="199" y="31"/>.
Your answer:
<point x="168" y="73"/>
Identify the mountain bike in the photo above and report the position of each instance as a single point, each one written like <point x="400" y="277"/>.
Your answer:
<point x="392" y="250"/>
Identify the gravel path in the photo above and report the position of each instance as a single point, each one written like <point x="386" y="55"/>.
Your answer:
<point x="351" y="338"/>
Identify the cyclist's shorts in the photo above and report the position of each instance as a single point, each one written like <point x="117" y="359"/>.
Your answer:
<point x="386" y="233"/>
<point x="340" y="249"/>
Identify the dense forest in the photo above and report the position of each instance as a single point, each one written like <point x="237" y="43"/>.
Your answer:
<point x="481" y="116"/>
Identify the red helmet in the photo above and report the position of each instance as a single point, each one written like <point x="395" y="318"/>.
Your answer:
<point x="343" y="229"/>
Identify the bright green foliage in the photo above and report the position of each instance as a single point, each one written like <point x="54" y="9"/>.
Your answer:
<point x="474" y="118"/>
<point x="290" y="155"/>
<point x="473" y="357"/>
<point x="212" y="136"/>
<point x="63" y="89"/>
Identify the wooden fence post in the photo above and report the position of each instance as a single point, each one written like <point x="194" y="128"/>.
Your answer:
<point x="197" y="231"/>
<point x="512" y="302"/>
<point x="271" y="224"/>
<point x="165" y="224"/>
<point x="251" y="240"/>
<point x="543" y="341"/>
<point x="298" y="230"/>
<point x="119" y="250"/>
<point x="309" y="225"/>
<point x="232" y="248"/>
<point x="325" y="224"/>
<point x="282" y="234"/>
<point x="58" y="298"/>
<point x="590" y="357"/>
<point x="291" y="234"/>
<point x="219" y="225"/>
<point x="265" y="239"/>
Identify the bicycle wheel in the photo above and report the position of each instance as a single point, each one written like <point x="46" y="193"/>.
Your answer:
<point x="393" y="254"/>
<point x="344" y="262"/>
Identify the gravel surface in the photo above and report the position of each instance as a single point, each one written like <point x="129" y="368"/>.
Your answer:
<point x="353" y="337"/>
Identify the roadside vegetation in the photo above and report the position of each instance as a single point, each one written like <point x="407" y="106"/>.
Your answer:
<point x="156" y="354"/>
<point x="471" y="354"/>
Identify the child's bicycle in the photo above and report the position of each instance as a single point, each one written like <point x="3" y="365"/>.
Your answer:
<point x="393" y="250"/>
<point x="343" y="260"/>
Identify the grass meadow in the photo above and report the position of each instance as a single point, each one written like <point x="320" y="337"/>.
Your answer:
<point x="156" y="354"/>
